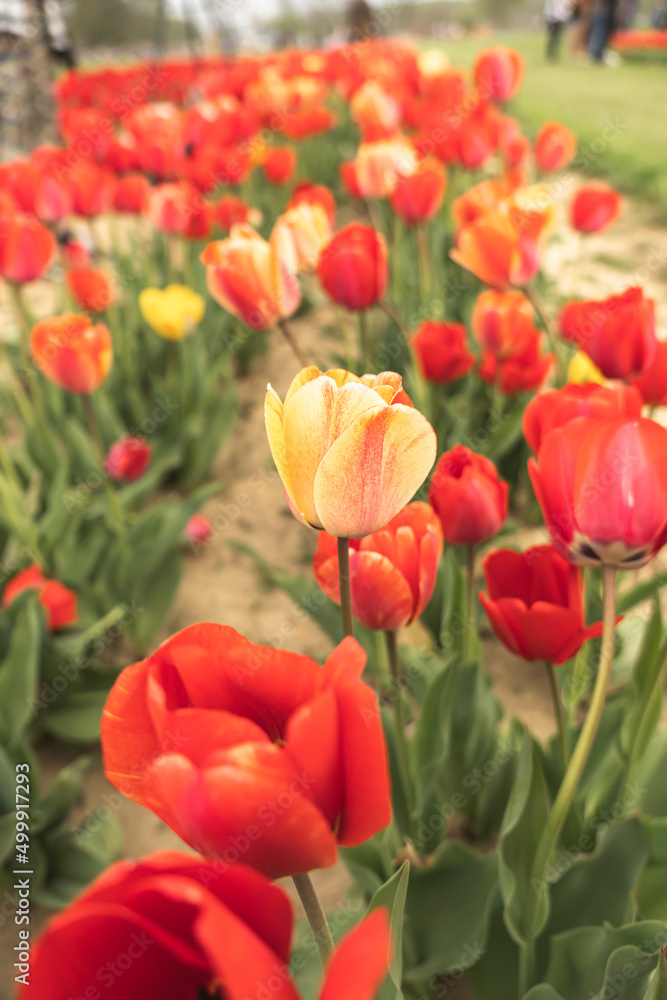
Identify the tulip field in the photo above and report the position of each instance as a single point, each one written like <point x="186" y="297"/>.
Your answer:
<point x="348" y="686"/>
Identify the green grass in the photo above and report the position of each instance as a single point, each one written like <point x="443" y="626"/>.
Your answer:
<point x="618" y="115"/>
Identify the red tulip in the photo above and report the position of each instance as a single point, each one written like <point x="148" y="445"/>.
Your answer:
<point x="198" y="530"/>
<point x="556" y="407"/>
<point x="314" y="194"/>
<point x="180" y="209"/>
<point x="71" y="352"/>
<point x="230" y="211"/>
<point x="52" y="198"/>
<point x="350" y="181"/>
<point x="602" y="488"/>
<point x="618" y="333"/>
<point x="128" y="459"/>
<point x="58" y="601"/>
<point x="522" y="371"/>
<point x="418" y="197"/>
<point x="498" y="73"/>
<point x="131" y="193"/>
<point x="279" y="165"/>
<point x="248" y="751"/>
<point x="392" y="571"/>
<point x="353" y="267"/>
<point x="441" y="350"/>
<point x="468" y="496"/>
<point x="555" y="147"/>
<point x="595" y="207"/>
<point x="652" y="383"/>
<point x="535" y="603"/>
<point x="92" y="288"/>
<point x="92" y="189"/>
<point x="27" y="248"/>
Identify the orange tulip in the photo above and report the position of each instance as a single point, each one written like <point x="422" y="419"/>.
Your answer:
<point x="92" y="288"/>
<point x="502" y="321"/>
<point x="300" y="234"/>
<point x="595" y="207"/>
<point x="498" y="73"/>
<point x="279" y="165"/>
<point x="555" y="147"/>
<point x="502" y="248"/>
<point x="477" y="201"/>
<point x="71" y="352"/>
<point x="378" y="165"/>
<point x="247" y="276"/>
<point x="372" y="108"/>
<point x="351" y="453"/>
<point x="27" y="248"/>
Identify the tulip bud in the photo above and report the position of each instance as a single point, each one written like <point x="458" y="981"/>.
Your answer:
<point x="468" y="497"/>
<point x="595" y="207"/>
<point x="198" y="530"/>
<point x="441" y="350"/>
<point x="58" y="601"/>
<point x="498" y="73"/>
<point x="92" y="288"/>
<point x="128" y="459"/>
<point x="353" y="267"/>
<point x="418" y="197"/>
<point x="555" y="147"/>
<point x="71" y="352"/>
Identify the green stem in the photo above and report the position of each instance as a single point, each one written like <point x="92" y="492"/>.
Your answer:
<point x="559" y="710"/>
<point x="290" y="337"/>
<point x="538" y="306"/>
<point x="91" y="423"/>
<point x="525" y="968"/>
<point x="316" y="916"/>
<point x="424" y="264"/>
<point x="344" y="583"/>
<point x="402" y="755"/>
<point x="24" y="330"/>
<point x="471" y="606"/>
<point x="364" y="342"/>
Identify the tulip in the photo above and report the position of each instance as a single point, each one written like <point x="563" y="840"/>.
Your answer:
<point x="378" y="165"/>
<point x="392" y="571"/>
<point x="498" y="73"/>
<point x="314" y="194"/>
<point x="128" y="459"/>
<point x="52" y="198"/>
<point x="521" y="371"/>
<point x="372" y="108"/>
<point x="173" y="311"/>
<point x="556" y="407"/>
<point x="468" y="497"/>
<point x="581" y="370"/>
<point x="279" y="165"/>
<point x="502" y="322"/>
<point x="92" y="189"/>
<point x="92" y="288"/>
<point x="230" y="211"/>
<point x="349" y="179"/>
<point x="535" y="603"/>
<point x="477" y="201"/>
<point x="222" y="730"/>
<point x="247" y="277"/>
<point x="179" y="209"/>
<point x="75" y="252"/>
<point x="652" y="383"/>
<point x="602" y="488"/>
<point x="595" y="207"/>
<point x="300" y="234"/>
<point x="350" y="455"/>
<point x="617" y="333"/>
<point x="353" y="267"/>
<point x="418" y="197"/>
<point x="175" y="925"/>
<point x="71" y="352"/>
<point x="555" y="147"/>
<point x="198" y="530"/>
<point x="441" y="351"/>
<point x="131" y="193"/>
<point x="27" y="248"/>
<point x="59" y="602"/>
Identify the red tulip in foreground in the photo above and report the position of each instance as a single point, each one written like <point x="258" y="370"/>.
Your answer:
<point x="441" y="351"/>
<point x="172" y="925"/>
<point x="128" y="459"/>
<point x="251" y="753"/>
<point x="617" y="333"/>
<point x="556" y="407"/>
<point x="58" y="601"/>
<point x="535" y="603"/>
<point x="392" y="572"/>
<point x="652" y="383"/>
<point x="353" y="267"/>
<point x="71" y="352"/>
<point x="602" y="488"/>
<point x="351" y="453"/>
<point x="468" y="496"/>
<point x="595" y="207"/>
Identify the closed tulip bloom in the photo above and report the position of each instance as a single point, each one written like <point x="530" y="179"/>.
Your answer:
<point x="594" y="207"/>
<point x="179" y="209"/>
<point x="212" y="730"/>
<point x="602" y="488"/>
<point x="92" y="189"/>
<point x="279" y="165"/>
<point x="353" y="267"/>
<point x="128" y="459"/>
<point x="27" y="248"/>
<point x="131" y="193"/>
<point x="652" y="383"/>
<point x="71" y="352"/>
<point x="230" y="211"/>
<point x="372" y="108"/>
<point x="300" y="234"/>
<point x="248" y="278"/>
<point x="556" y="407"/>
<point x="555" y="147"/>
<point x="350" y="454"/>
<point x="441" y="351"/>
<point x="498" y="73"/>
<point x="314" y="194"/>
<point x="418" y="197"/>
<point x="92" y="288"/>
<point x="378" y="165"/>
<point x="52" y="197"/>
<point x="618" y="333"/>
<point x="59" y="602"/>
<point x="502" y="322"/>
<point x="173" y="312"/>
<point x="523" y="370"/>
<point x="535" y="603"/>
<point x="392" y="571"/>
<point x="468" y="497"/>
<point x="198" y="530"/>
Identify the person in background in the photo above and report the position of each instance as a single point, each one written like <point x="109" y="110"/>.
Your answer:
<point x="32" y="35"/>
<point x="360" y="21"/>
<point x="583" y="18"/>
<point x="603" y="27"/>
<point x="557" y="13"/>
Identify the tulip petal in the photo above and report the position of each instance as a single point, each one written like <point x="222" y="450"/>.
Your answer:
<point x="307" y="425"/>
<point x="313" y="740"/>
<point x="361" y="961"/>
<point x="273" y="421"/>
<point x="129" y="741"/>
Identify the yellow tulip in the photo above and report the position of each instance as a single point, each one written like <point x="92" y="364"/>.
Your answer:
<point x="582" y="370"/>
<point x="173" y="311"/>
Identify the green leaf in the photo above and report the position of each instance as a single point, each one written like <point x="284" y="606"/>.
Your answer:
<point x="392" y="897"/>
<point x="19" y="671"/>
<point x="77" y="719"/>
<point x="644" y="700"/>
<point x="63" y="794"/>
<point x="542" y="992"/>
<point x="628" y="599"/>
<point x="658" y="986"/>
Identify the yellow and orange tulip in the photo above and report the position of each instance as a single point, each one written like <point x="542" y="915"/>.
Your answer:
<point x="300" y="234"/>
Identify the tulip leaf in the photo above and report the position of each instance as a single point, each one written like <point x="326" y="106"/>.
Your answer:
<point x="628" y="599"/>
<point x="526" y="896"/>
<point x="542" y="992"/>
<point x="19" y="670"/>
<point x="657" y="989"/>
<point x="63" y="794"/>
<point x="505" y="436"/>
<point x="645" y="695"/>
<point x="77" y="719"/>
<point x="392" y="896"/>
